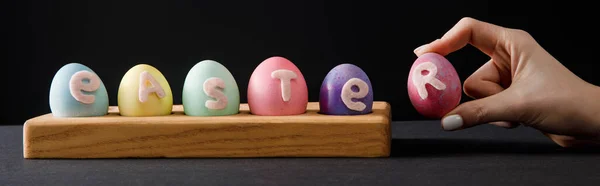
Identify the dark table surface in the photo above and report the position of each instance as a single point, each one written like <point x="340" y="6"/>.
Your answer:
<point x="422" y="154"/>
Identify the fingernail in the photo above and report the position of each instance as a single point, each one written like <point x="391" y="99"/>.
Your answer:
<point x="452" y="122"/>
<point x="419" y="48"/>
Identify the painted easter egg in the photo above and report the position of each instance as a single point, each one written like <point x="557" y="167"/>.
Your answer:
<point x="434" y="87"/>
<point x="77" y="91"/>
<point x="277" y="87"/>
<point x="210" y="90"/>
<point x="346" y="90"/>
<point x="144" y="91"/>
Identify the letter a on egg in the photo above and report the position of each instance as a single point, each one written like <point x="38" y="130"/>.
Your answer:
<point x="285" y="76"/>
<point x="144" y="91"/>
<point x="420" y="80"/>
<point x="153" y="87"/>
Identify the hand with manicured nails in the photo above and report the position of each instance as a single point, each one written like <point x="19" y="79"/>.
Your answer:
<point x="522" y="84"/>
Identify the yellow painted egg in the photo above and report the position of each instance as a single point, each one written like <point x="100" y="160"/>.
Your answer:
<point x="144" y="91"/>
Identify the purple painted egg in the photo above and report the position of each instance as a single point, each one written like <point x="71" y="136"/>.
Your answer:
<point x="346" y="90"/>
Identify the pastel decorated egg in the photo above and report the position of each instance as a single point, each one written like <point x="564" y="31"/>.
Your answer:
<point x="346" y="90"/>
<point x="144" y="91"/>
<point x="210" y="90"/>
<point x="77" y="91"/>
<point x="277" y="87"/>
<point x="434" y="87"/>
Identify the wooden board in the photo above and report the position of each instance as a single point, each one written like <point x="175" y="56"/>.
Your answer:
<point x="181" y="136"/>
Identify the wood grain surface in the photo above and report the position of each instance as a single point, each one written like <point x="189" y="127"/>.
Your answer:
<point x="180" y="136"/>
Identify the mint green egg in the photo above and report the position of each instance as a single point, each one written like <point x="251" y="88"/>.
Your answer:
<point x="77" y="91"/>
<point x="201" y="95"/>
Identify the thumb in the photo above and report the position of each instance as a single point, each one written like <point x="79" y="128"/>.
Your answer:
<point x="494" y="108"/>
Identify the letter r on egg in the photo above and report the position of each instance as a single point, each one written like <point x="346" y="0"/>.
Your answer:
<point x="285" y="76"/>
<point x="419" y="80"/>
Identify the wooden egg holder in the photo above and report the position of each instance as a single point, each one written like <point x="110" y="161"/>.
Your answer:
<point x="181" y="136"/>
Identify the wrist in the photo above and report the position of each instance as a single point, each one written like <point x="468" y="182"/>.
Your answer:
<point x="591" y="109"/>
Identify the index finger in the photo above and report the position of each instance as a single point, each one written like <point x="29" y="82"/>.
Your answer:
<point x="482" y="35"/>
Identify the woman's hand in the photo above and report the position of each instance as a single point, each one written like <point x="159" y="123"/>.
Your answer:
<point x="521" y="84"/>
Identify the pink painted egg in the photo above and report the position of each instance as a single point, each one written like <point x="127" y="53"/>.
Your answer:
<point x="434" y="87"/>
<point x="277" y="88"/>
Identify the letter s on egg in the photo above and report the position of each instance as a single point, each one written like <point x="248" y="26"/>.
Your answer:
<point x="210" y="88"/>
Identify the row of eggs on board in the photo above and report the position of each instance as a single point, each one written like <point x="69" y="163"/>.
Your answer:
<point x="276" y="87"/>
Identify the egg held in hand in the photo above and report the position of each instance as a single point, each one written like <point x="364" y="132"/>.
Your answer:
<point x="434" y="87"/>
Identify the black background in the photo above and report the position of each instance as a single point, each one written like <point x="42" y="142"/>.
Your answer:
<point x="112" y="36"/>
